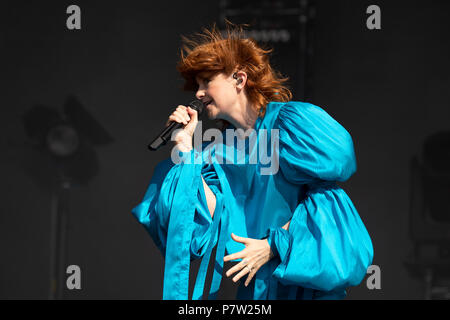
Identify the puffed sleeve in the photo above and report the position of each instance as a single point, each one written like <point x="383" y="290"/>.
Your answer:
<point x="313" y="146"/>
<point x="175" y="213"/>
<point x="327" y="246"/>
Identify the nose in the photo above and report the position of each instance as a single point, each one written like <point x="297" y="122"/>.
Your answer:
<point x="200" y="94"/>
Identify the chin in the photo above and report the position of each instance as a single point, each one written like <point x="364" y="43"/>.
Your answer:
<point x="211" y="114"/>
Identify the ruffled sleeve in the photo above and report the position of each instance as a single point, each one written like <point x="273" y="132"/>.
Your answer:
<point x="175" y="213"/>
<point x="327" y="246"/>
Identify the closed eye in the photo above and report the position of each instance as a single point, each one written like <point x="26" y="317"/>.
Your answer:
<point x="205" y="80"/>
<point x="201" y="81"/>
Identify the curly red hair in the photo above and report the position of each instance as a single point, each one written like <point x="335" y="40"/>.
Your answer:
<point x="212" y="53"/>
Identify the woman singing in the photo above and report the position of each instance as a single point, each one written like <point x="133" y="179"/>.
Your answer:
<point x="292" y="231"/>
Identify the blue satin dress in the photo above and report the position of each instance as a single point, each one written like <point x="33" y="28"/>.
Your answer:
<point x="326" y="249"/>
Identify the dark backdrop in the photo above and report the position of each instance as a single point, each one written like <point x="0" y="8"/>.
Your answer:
<point x="388" y="88"/>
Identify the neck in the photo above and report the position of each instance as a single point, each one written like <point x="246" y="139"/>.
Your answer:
<point x="244" y="117"/>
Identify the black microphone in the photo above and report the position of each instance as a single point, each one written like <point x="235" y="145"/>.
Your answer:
<point x="166" y="134"/>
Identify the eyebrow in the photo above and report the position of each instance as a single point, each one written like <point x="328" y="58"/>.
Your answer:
<point x="205" y="74"/>
<point x="200" y="78"/>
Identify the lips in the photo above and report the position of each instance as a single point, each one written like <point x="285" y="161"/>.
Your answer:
<point x="206" y="103"/>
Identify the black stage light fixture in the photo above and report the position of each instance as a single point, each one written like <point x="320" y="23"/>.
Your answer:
<point x="67" y="138"/>
<point x="63" y="156"/>
<point x="287" y="26"/>
<point x="429" y="219"/>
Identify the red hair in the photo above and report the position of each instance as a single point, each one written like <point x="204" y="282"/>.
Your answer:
<point x="213" y="53"/>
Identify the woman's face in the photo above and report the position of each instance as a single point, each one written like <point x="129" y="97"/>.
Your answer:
<point x="218" y="93"/>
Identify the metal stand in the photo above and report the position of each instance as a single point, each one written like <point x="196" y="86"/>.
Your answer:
<point x="58" y="237"/>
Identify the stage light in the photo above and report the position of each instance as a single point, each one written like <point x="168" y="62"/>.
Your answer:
<point x="67" y="138"/>
<point x="62" y="157"/>
<point x="63" y="140"/>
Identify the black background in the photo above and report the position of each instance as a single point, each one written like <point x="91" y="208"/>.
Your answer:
<point x="389" y="88"/>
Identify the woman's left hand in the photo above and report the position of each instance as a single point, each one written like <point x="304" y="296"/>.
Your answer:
<point x="254" y="256"/>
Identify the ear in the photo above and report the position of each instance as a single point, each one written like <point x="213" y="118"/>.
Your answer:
<point x="241" y="79"/>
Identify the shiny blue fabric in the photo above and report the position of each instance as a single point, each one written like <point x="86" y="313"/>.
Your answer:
<point x="326" y="249"/>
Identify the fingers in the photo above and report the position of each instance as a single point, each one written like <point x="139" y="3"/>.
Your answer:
<point x="255" y="255"/>
<point x="234" y="256"/>
<point x="193" y="113"/>
<point x="240" y="254"/>
<point x="237" y="267"/>
<point x="180" y="115"/>
<point x="250" y="276"/>
<point x="242" y="273"/>
<point x="244" y="270"/>
<point x="239" y="239"/>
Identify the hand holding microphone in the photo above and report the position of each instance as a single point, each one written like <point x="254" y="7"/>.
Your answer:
<point x="189" y="118"/>
<point x="185" y="117"/>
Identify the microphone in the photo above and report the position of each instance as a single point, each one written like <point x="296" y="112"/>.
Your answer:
<point x="166" y="134"/>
